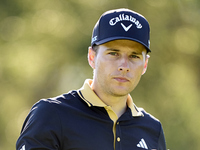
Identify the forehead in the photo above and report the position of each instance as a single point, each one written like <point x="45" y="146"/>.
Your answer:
<point x="125" y="45"/>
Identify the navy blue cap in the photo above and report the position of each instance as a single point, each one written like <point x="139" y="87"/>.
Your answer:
<point x="121" y="24"/>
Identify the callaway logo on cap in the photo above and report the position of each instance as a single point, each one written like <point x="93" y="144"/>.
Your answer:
<point x="121" y="24"/>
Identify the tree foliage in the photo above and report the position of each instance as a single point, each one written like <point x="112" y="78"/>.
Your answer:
<point x="43" y="47"/>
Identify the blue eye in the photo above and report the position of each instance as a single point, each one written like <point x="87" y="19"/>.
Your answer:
<point x="134" y="56"/>
<point x="113" y="53"/>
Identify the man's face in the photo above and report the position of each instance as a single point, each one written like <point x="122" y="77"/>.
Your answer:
<point x="118" y="66"/>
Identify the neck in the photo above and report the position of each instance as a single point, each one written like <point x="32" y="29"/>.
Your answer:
<point x="118" y="103"/>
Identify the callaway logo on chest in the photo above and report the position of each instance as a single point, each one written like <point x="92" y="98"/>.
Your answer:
<point x="123" y="17"/>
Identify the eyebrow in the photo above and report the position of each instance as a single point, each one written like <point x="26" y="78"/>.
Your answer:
<point x="112" y="50"/>
<point x="116" y="50"/>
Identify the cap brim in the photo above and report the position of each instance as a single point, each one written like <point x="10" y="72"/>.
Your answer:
<point x="120" y="38"/>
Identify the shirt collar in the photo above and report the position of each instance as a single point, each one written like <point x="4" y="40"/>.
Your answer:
<point x="88" y="95"/>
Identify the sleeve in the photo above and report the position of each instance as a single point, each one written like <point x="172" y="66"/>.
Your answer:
<point x="41" y="129"/>
<point x="161" y="140"/>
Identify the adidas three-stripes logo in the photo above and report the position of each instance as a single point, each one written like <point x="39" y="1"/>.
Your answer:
<point x="142" y="144"/>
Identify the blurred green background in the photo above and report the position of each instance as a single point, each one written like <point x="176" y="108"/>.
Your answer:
<point x="43" y="53"/>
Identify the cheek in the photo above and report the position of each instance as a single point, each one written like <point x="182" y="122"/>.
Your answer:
<point x="138" y="66"/>
<point x="103" y="64"/>
<point x="102" y="68"/>
<point x="137" y="70"/>
<point x="140" y="69"/>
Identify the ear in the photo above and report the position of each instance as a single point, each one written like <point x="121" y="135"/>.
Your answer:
<point x="91" y="57"/>
<point x="145" y="64"/>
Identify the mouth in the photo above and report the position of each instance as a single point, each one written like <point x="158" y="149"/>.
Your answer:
<point x="121" y="79"/>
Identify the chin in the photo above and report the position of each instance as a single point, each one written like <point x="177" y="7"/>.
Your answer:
<point x="120" y="92"/>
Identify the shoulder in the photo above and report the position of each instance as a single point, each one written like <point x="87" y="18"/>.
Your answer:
<point x="150" y="119"/>
<point x="56" y="101"/>
<point x="50" y="107"/>
<point x="48" y="111"/>
<point x="148" y="115"/>
<point x="154" y="126"/>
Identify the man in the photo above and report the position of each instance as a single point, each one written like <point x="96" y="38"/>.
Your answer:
<point x="101" y="115"/>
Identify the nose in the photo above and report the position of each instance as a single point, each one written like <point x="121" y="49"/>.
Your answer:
<point x="124" y="65"/>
